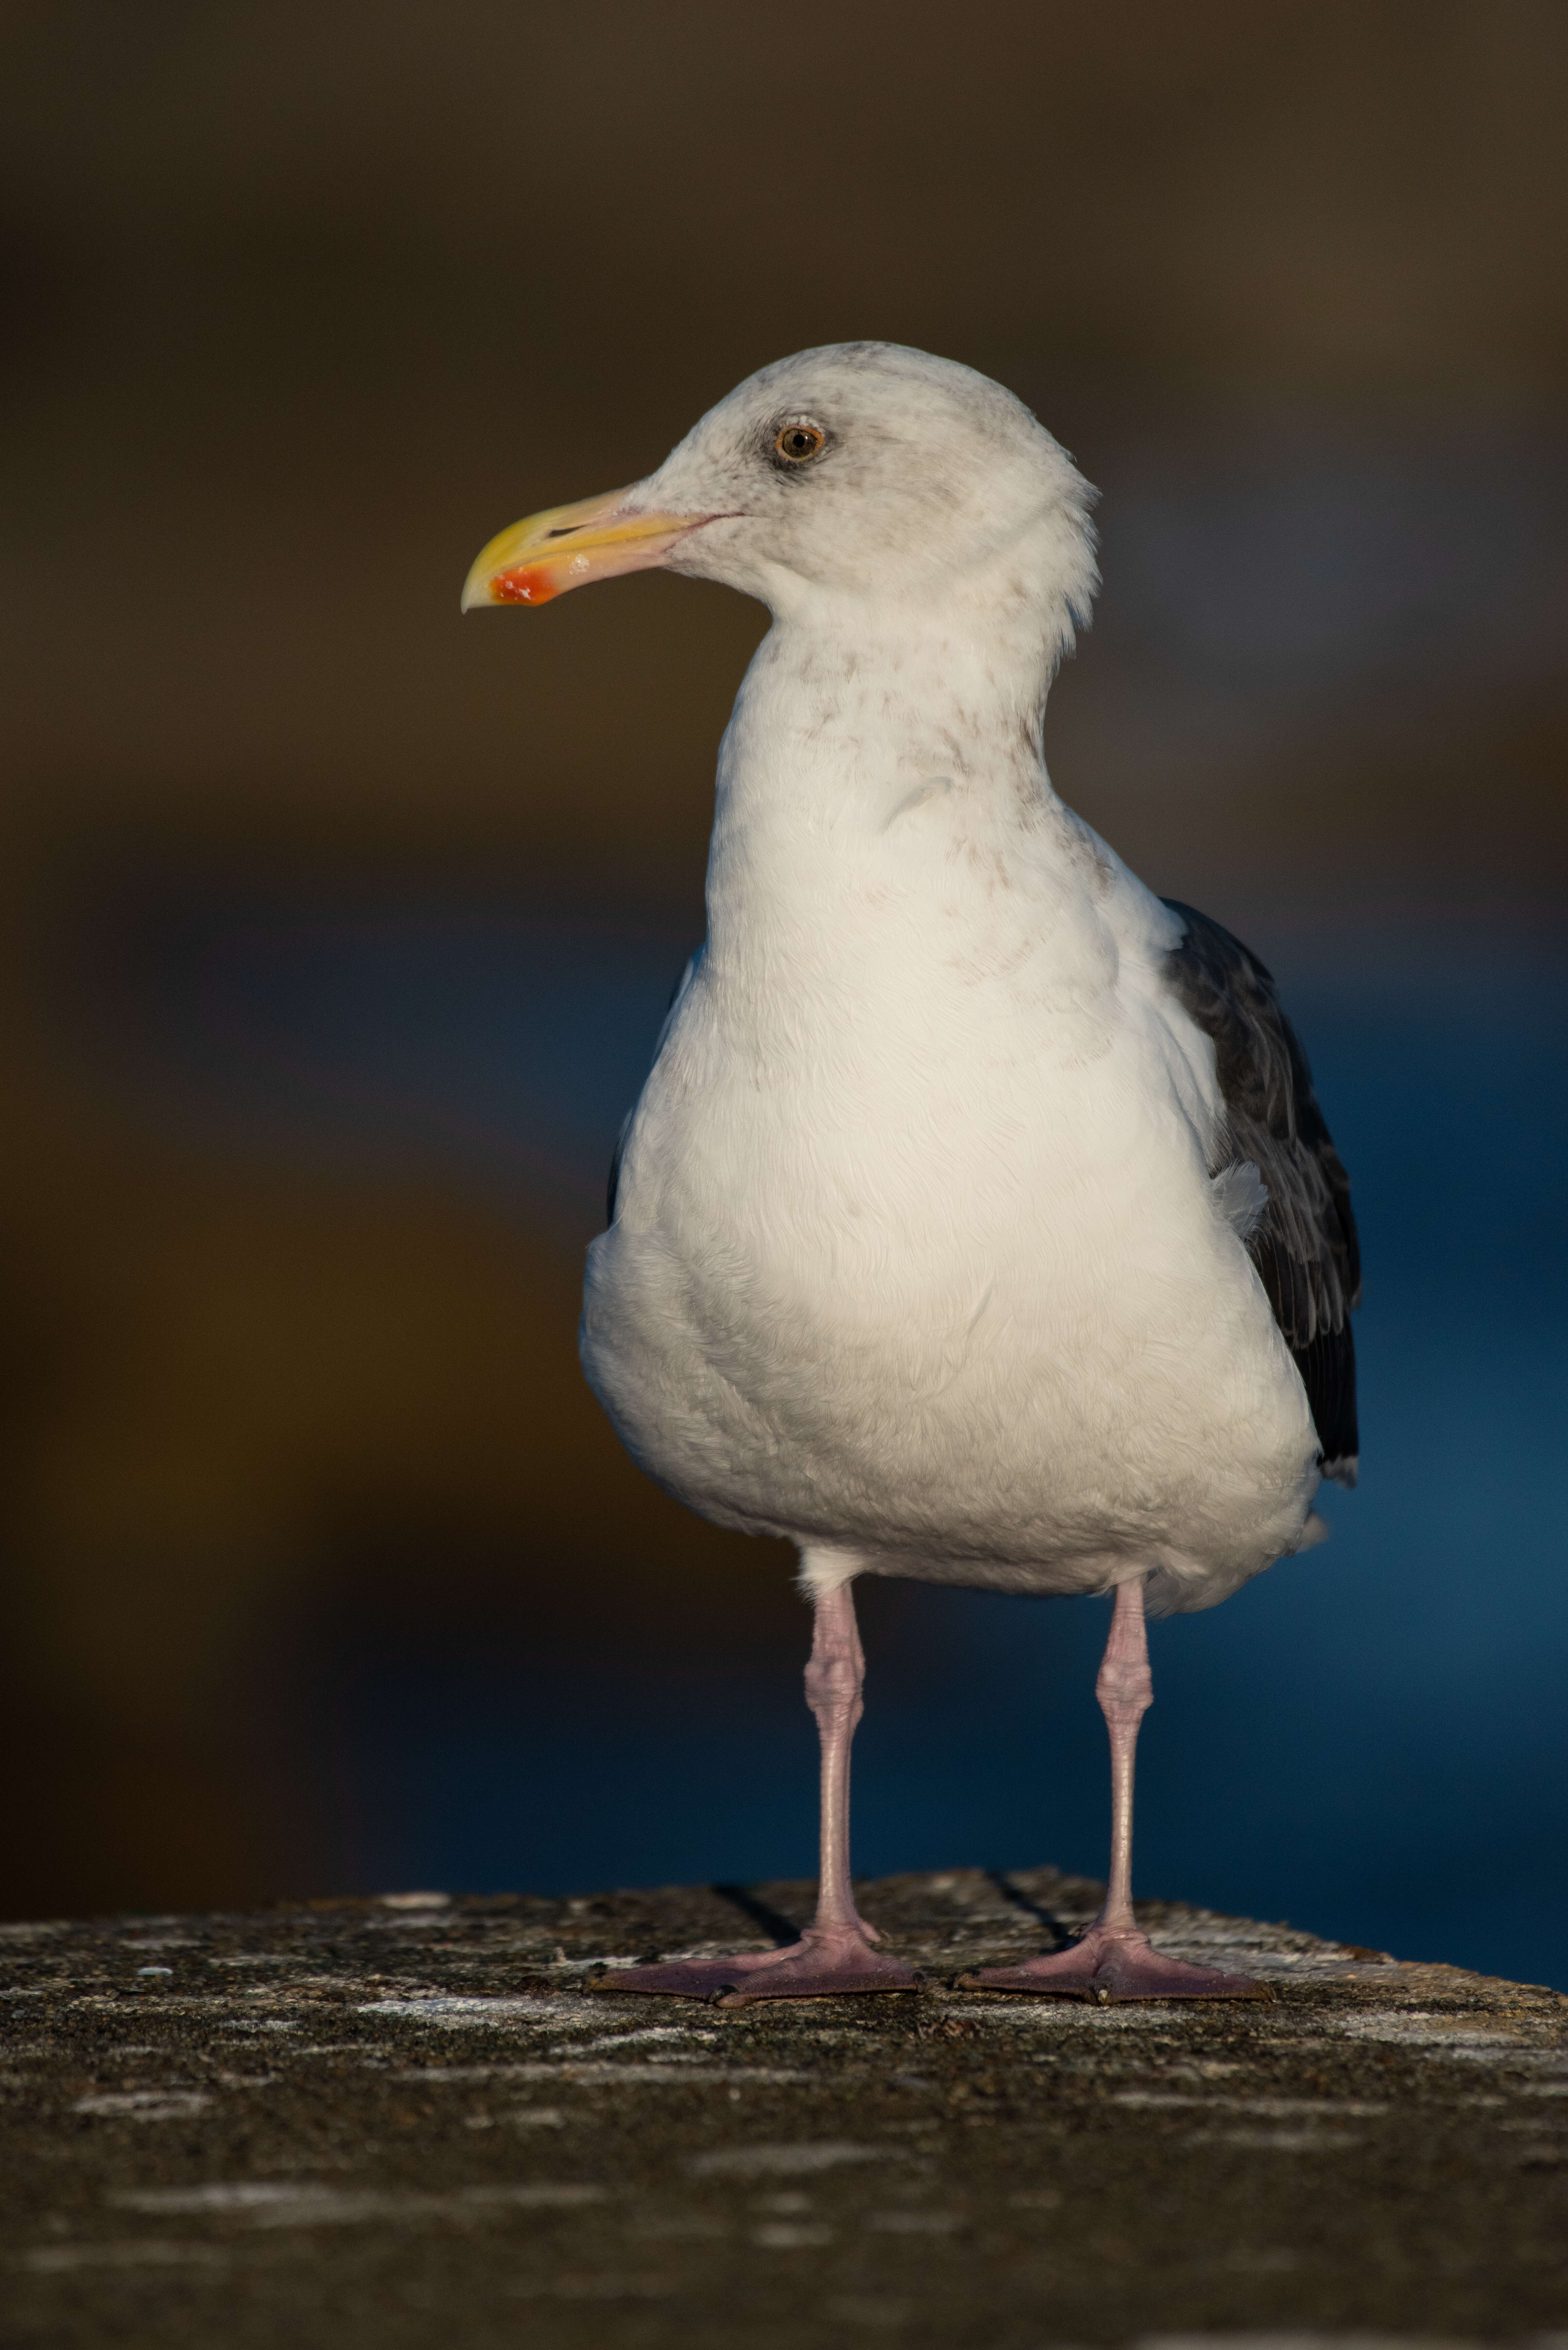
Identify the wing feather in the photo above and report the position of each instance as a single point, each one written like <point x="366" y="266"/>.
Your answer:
<point x="1305" y="1244"/>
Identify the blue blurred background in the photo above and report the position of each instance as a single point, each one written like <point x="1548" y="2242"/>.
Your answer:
<point x="338" y="934"/>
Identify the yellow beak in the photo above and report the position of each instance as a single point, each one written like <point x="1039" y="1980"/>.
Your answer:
<point x="569" y="546"/>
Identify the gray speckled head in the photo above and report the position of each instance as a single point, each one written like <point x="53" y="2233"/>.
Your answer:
<point x="915" y="478"/>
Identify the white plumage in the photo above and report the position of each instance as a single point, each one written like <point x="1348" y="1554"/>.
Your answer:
<point x="930" y="1247"/>
<point x="917" y="1257"/>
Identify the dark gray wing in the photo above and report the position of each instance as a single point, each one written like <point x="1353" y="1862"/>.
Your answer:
<point x="677" y="992"/>
<point x="1305" y="1244"/>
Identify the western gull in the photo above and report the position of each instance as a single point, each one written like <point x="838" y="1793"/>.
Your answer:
<point x="976" y="1222"/>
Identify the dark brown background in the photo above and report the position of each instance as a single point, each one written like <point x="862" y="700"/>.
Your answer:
<point x="300" y="304"/>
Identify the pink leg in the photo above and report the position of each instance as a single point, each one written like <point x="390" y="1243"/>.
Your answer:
<point x="835" y="1954"/>
<point x="1114" y="1960"/>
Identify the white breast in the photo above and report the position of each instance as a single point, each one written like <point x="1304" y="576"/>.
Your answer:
<point x="915" y="1253"/>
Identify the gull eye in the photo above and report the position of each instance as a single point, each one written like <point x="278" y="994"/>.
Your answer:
<point x="797" y="445"/>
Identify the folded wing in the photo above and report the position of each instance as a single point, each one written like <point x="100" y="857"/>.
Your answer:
<point x="1303" y="1244"/>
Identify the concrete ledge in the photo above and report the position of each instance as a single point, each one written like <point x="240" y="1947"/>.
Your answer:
<point x="412" y="2121"/>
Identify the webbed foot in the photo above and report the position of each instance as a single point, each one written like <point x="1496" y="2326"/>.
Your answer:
<point x="828" y="1962"/>
<point x="1113" y="1963"/>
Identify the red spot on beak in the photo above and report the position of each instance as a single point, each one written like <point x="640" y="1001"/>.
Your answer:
<point x="528" y="583"/>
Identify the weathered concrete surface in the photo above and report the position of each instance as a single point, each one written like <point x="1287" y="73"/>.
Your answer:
<point x="371" y="2125"/>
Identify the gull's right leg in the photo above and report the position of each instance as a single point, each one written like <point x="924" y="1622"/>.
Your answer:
<point x="835" y="1954"/>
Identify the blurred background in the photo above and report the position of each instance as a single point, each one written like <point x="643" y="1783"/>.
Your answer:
<point x="335" y="932"/>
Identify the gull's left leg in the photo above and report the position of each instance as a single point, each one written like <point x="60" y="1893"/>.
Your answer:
<point x="835" y="1954"/>
<point x="1114" y="1960"/>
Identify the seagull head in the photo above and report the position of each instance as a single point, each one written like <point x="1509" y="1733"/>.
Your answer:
<point x="862" y="473"/>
